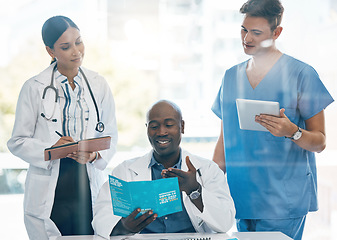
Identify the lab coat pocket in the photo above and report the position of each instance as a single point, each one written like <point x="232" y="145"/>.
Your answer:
<point x="36" y="194"/>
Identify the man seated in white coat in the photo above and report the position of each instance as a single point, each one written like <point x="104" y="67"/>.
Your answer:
<point x="207" y="203"/>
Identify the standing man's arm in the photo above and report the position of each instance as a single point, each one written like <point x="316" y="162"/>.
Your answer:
<point x="313" y="137"/>
<point x="219" y="152"/>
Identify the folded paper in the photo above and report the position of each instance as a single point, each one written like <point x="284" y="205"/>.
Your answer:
<point x="162" y="196"/>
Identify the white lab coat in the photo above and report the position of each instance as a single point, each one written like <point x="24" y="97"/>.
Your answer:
<point x="218" y="213"/>
<point x="32" y="134"/>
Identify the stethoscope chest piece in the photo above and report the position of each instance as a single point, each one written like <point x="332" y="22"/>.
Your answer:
<point x="99" y="127"/>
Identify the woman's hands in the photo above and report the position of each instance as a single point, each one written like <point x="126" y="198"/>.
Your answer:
<point x="81" y="157"/>
<point x="63" y="140"/>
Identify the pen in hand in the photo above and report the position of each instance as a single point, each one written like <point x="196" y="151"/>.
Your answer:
<point x="59" y="134"/>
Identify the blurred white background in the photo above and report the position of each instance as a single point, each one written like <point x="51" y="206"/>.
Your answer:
<point x="153" y="49"/>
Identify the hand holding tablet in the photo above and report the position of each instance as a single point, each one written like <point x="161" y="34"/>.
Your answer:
<point x="248" y="109"/>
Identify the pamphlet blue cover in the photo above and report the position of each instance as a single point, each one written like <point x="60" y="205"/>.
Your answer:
<point x="162" y="196"/>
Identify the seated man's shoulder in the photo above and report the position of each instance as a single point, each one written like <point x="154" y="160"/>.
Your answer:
<point x="139" y="160"/>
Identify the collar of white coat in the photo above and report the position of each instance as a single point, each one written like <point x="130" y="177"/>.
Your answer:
<point x="49" y="102"/>
<point x="138" y="165"/>
<point x="45" y="76"/>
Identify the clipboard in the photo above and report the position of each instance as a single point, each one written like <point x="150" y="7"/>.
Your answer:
<point x="87" y="145"/>
<point x="248" y="109"/>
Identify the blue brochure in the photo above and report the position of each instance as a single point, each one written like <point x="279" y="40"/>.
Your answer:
<point x="162" y="196"/>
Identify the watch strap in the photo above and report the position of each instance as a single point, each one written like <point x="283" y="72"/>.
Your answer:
<point x="292" y="136"/>
<point x="195" y="194"/>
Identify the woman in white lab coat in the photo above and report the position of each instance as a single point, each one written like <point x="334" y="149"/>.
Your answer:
<point x="78" y="103"/>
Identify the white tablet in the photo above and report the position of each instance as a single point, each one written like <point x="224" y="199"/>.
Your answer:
<point x="248" y="109"/>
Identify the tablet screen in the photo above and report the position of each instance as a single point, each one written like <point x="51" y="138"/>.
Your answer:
<point x="248" y="109"/>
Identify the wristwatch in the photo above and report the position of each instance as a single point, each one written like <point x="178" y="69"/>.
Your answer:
<point x="195" y="194"/>
<point x="297" y="135"/>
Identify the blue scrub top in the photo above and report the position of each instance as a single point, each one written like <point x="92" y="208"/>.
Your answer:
<point x="271" y="177"/>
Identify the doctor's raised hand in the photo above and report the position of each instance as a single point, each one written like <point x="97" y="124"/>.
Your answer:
<point x="77" y="104"/>
<point x="187" y="181"/>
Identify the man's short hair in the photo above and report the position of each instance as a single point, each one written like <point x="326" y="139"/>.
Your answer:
<point x="173" y="105"/>
<point x="271" y="10"/>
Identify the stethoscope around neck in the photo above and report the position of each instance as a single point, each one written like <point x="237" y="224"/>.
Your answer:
<point x="99" y="126"/>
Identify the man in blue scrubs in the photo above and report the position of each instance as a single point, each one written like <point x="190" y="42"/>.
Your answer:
<point x="271" y="175"/>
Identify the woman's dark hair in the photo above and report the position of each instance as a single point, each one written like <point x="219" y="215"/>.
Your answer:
<point x="54" y="27"/>
<point x="271" y="10"/>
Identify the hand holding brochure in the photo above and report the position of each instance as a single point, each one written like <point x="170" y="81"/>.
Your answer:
<point x="162" y="196"/>
<point x="88" y="145"/>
